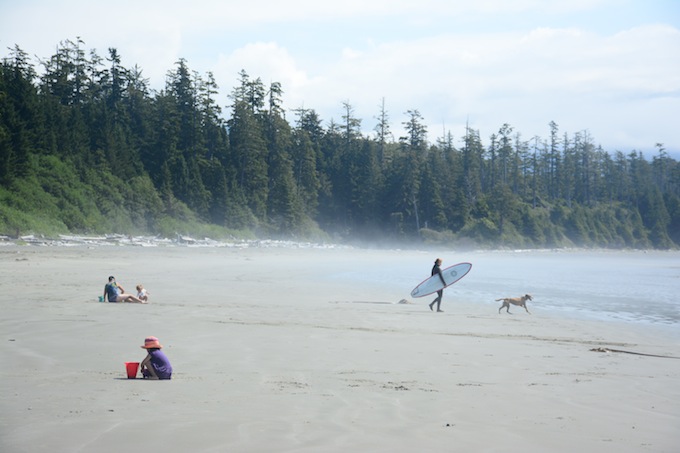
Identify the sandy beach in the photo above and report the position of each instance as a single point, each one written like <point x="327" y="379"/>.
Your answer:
<point x="305" y="350"/>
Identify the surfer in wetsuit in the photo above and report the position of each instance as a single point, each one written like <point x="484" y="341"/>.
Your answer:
<point x="437" y="270"/>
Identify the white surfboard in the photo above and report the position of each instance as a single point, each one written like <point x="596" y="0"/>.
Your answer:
<point x="433" y="284"/>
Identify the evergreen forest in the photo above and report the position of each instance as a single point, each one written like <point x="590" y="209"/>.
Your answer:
<point x="86" y="147"/>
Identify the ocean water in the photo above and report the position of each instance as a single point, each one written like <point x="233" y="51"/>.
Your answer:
<point x="640" y="287"/>
<point x="626" y="286"/>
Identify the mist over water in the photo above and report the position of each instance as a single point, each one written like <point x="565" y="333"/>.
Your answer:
<point x="627" y="286"/>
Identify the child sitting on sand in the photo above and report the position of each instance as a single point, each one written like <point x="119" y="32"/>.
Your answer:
<point x="156" y="364"/>
<point x="142" y="294"/>
<point x="115" y="293"/>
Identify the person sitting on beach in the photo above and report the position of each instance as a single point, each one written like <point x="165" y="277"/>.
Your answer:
<point x="156" y="364"/>
<point x="142" y="294"/>
<point x="115" y="293"/>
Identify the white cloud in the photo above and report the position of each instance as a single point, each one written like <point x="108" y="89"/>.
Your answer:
<point x="574" y="77"/>
<point x="524" y="62"/>
<point x="266" y="61"/>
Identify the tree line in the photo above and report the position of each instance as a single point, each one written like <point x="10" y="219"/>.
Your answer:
<point x="87" y="146"/>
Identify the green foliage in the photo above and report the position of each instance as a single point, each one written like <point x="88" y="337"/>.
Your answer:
<point x="172" y="227"/>
<point x="481" y="231"/>
<point x="87" y="147"/>
<point x="17" y="222"/>
<point x="437" y="237"/>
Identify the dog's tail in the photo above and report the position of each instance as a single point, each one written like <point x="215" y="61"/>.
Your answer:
<point x="502" y="298"/>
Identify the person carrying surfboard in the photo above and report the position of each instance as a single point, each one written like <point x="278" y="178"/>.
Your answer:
<point x="436" y="270"/>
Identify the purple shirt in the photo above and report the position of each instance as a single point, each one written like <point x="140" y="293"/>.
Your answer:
<point x="160" y="363"/>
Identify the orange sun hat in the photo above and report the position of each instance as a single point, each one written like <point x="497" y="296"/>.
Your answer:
<point x="151" y="343"/>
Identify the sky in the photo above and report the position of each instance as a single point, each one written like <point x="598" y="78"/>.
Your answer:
<point x="608" y="68"/>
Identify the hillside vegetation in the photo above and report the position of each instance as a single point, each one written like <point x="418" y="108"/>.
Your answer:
<point x="87" y="147"/>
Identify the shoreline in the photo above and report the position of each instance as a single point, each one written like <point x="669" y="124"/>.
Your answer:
<point x="73" y="240"/>
<point x="86" y="246"/>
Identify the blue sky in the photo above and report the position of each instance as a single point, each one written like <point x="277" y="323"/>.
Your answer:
<point x="608" y="67"/>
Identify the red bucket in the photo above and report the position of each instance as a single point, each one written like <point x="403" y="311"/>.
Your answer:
<point x="131" y="368"/>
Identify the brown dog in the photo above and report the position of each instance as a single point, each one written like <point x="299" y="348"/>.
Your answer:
<point x="519" y="301"/>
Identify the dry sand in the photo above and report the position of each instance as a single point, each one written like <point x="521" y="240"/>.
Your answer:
<point x="287" y="350"/>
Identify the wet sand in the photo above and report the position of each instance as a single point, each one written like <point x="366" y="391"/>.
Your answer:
<point x="285" y="349"/>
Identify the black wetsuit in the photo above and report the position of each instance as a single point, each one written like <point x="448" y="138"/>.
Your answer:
<point x="437" y="270"/>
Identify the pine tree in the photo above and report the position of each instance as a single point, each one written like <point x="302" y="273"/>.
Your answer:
<point x="248" y="145"/>
<point x="408" y="167"/>
<point x="19" y="116"/>
<point x="304" y="153"/>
